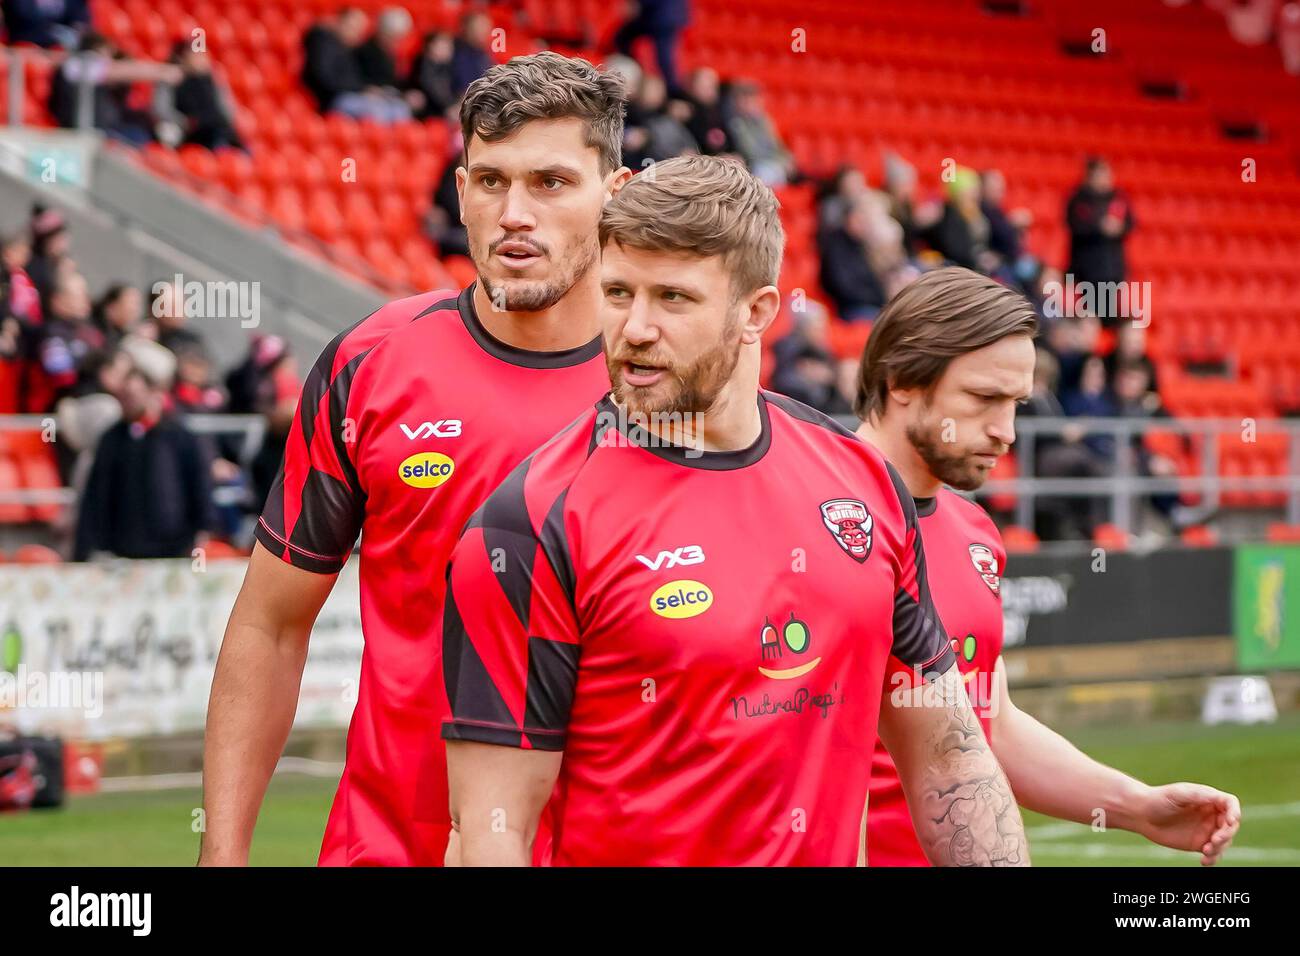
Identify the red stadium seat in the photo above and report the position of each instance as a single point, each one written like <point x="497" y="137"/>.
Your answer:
<point x="1019" y="540"/>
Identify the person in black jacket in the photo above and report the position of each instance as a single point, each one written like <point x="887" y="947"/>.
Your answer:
<point x="149" y="491"/>
<point x="47" y="23"/>
<point x="846" y="272"/>
<point x="332" y="71"/>
<point x="431" y="75"/>
<point x="205" y="109"/>
<point x="1100" y="218"/>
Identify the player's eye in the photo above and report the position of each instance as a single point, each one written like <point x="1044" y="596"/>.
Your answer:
<point x="489" y="181"/>
<point x="551" y="183"/>
<point x="674" y="296"/>
<point x="616" y="292"/>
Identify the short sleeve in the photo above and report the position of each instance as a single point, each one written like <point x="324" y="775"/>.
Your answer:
<point x="920" y="642"/>
<point x="510" y="633"/>
<point x="314" y="511"/>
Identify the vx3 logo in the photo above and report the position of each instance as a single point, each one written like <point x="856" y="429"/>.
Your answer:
<point x="449" y="428"/>
<point x="691" y="554"/>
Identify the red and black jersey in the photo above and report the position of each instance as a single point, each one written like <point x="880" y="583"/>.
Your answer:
<point x="406" y="423"/>
<point x="704" y="634"/>
<point x="966" y="561"/>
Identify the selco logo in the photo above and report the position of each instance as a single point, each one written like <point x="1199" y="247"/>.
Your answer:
<point x="428" y="469"/>
<point x="679" y="599"/>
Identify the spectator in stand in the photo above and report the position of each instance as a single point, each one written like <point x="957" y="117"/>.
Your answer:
<point x="1006" y="229"/>
<point x="87" y="411"/>
<point x="51" y="245"/>
<point x="200" y="103"/>
<point x="756" y="138"/>
<point x="442" y="222"/>
<point x="118" y="312"/>
<point x="1060" y="456"/>
<point x="151" y="480"/>
<point x="47" y="23"/>
<point x="846" y="272"/>
<point x="805" y="369"/>
<point x="377" y="57"/>
<point x="1131" y="349"/>
<point x="900" y="189"/>
<point x="66" y="339"/>
<point x="194" y="389"/>
<point x="656" y="127"/>
<point x="838" y="194"/>
<point x="708" y="124"/>
<point x="111" y="74"/>
<point x="471" y="56"/>
<point x="962" y="233"/>
<point x="13" y="352"/>
<point x="1093" y="399"/>
<point x="169" y="320"/>
<point x="1099" y="218"/>
<point x="1073" y="340"/>
<point x="22" y="300"/>
<point x="431" y="76"/>
<point x="332" y="73"/>
<point x="662" y="21"/>
<point x="266" y="383"/>
<point x="1135" y="398"/>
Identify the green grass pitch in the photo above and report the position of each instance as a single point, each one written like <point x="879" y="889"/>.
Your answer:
<point x="1260" y="764"/>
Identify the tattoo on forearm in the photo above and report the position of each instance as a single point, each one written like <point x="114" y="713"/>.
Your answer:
<point x="969" y="814"/>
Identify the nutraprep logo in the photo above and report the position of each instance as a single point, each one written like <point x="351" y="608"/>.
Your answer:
<point x="428" y="469"/>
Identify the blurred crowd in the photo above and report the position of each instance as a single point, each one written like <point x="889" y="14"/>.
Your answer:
<point x="128" y="357"/>
<point x="116" y="375"/>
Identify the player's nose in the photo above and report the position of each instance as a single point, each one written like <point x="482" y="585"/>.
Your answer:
<point x="517" y="213"/>
<point x="1003" y="427"/>
<point x="640" y="327"/>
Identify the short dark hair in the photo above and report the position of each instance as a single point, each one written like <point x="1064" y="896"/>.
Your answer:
<point x="943" y="314"/>
<point x="548" y="86"/>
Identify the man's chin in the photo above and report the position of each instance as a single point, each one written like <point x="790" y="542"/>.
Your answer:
<point x="522" y="294"/>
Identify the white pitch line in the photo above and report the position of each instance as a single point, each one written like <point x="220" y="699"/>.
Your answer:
<point x="1067" y="829"/>
<point x="188" y="781"/>
<point x="1283" y="855"/>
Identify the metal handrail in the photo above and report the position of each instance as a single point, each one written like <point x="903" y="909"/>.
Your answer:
<point x="253" y="428"/>
<point x="1124" y="484"/>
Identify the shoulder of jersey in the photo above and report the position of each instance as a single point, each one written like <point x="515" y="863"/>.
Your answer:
<point x="973" y="514"/>
<point x="805" y="416"/>
<point x="387" y="319"/>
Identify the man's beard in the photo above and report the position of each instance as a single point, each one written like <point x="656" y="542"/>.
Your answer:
<point x="952" y="467"/>
<point x="690" y="391"/>
<point x="534" y="295"/>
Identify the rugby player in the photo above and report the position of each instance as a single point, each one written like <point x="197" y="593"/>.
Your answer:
<point x="947" y="361"/>
<point x="406" y="423"/>
<point x="678" y="614"/>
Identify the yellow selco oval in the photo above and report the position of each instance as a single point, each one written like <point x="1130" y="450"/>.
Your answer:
<point x="428" y="469"/>
<point x="679" y="599"/>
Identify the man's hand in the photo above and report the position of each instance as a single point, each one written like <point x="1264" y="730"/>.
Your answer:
<point x="1189" y="816"/>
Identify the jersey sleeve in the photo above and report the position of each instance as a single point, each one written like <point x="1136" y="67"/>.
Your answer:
<point x="920" y="642"/>
<point x="314" y="511"/>
<point x="510" y="632"/>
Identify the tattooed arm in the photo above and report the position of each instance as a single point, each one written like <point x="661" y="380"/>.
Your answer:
<point x="962" y="806"/>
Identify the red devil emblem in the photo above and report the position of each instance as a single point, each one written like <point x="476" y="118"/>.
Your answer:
<point x="849" y="522"/>
<point x="986" y="563"/>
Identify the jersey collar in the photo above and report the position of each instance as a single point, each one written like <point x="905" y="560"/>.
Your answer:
<point x="681" y="454"/>
<point x="926" y="506"/>
<point x="523" y="358"/>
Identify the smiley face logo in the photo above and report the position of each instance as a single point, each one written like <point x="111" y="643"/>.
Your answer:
<point x="794" y="637"/>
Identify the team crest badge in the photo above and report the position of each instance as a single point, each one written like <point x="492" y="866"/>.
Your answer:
<point x="986" y="563"/>
<point x="850" y="524"/>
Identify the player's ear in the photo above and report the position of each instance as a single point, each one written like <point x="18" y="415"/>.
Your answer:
<point x="616" y="181"/>
<point x="461" y="177"/>
<point x="763" y="306"/>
